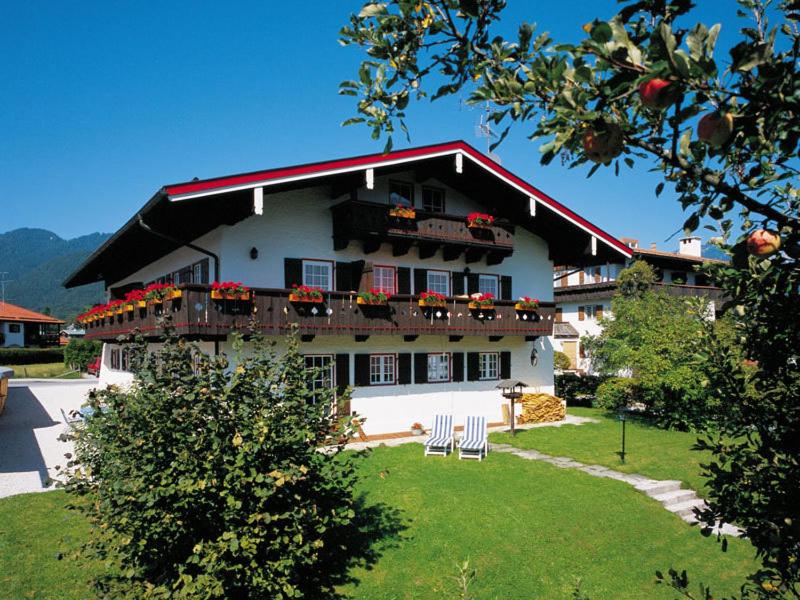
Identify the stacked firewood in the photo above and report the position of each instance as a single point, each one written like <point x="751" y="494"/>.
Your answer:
<point x="541" y="408"/>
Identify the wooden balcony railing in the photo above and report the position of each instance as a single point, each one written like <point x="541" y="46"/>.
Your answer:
<point x="371" y="223"/>
<point x="196" y="315"/>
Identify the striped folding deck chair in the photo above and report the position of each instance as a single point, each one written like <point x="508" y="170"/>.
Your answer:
<point x="475" y="441"/>
<point x="441" y="439"/>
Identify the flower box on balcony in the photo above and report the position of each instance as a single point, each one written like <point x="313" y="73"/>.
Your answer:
<point x="175" y="294"/>
<point x="129" y="307"/>
<point x="141" y="303"/>
<point x="306" y="299"/>
<point x="481" y="302"/>
<point x="374" y="297"/>
<point x="303" y="294"/>
<point x="403" y="212"/>
<point x="430" y="299"/>
<point x="527" y="304"/>
<point x="478" y="220"/>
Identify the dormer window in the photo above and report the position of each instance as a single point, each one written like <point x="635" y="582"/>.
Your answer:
<point x="401" y="193"/>
<point x="432" y="200"/>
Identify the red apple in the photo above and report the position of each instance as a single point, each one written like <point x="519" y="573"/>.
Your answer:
<point x="715" y="129"/>
<point x="763" y="242"/>
<point x="603" y="146"/>
<point x="658" y="93"/>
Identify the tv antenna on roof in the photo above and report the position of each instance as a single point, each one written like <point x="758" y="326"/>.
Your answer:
<point x="3" y="282"/>
<point x="484" y="130"/>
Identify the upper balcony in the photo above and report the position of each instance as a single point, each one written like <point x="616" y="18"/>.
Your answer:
<point x="372" y="224"/>
<point x="196" y="315"/>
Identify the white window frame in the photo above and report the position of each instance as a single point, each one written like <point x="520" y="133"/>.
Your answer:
<point x="386" y="369"/>
<point x="393" y="289"/>
<point x="485" y="366"/>
<point x="331" y="378"/>
<point x="495" y="279"/>
<point x="436" y="289"/>
<point x="319" y="263"/>
<point x="590" y="312"/>
<point x="435" y="190"/>
<point x="447" y="362"/>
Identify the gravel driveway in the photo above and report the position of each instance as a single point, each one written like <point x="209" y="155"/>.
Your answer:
<point x="29" y="430"/>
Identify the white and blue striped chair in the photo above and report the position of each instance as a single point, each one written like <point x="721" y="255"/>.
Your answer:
<point x="441" y="439"/>
<point x="475" y="441"/>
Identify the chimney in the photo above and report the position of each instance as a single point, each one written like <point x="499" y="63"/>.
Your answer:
<point x="630" y="242"/>
<point x="652" y="245"/>
<point x="691" y="246"/>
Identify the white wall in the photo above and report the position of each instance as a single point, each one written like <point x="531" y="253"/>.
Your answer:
<point x="13" y="339"/>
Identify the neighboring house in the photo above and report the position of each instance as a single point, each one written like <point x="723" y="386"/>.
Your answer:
<point x="328" y="225"/>
<point x="22" y="328"/>
<point x="583" y="295"/>
<point x="71" y="332"/>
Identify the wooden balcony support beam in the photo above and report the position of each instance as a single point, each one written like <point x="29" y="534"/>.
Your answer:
<point x="451" y="252"/>
<point x="427" y="250"/>
<point x="401" y="247"/>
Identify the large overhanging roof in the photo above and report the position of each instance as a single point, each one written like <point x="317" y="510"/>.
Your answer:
<point x="186" y="211"/>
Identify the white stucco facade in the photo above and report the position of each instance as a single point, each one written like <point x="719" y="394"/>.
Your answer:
<point x="13" y="333"/>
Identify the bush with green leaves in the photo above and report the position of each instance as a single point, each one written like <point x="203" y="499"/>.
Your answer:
<point x="78" y="353"/>
<point x="578" y="390"/>
<point x="30" y="356"/>
<point x="561" y="361"/>
<point x="617" y="393"/>
<point x="208" y="480"/>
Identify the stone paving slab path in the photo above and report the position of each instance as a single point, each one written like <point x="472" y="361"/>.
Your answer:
<point x="682" y="502"/>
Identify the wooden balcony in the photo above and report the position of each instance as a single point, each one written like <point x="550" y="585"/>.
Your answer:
<point x="197" y="316"/>
<point x="371" y="223"/>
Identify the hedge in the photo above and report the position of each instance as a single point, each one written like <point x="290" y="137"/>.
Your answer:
<point x="29" y="356"/>
<point x="578" y="390"/>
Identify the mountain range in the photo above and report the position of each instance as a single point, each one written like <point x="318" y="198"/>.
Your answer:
<point x="34" y="263"/>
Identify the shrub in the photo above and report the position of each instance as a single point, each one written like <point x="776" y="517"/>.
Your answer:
<point x="203" y="481"/>
<point x="618" y="392"/>
<point x="30" y="356"/>
<point x="560" y="361"/>
<point x="578" y="390"/>
<point x="80" y="352"/>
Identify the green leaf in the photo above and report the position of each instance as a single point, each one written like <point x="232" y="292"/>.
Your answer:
<point x="601" y="32"/>
<point x="659" y="189"/>
<point x="683" y="144"/>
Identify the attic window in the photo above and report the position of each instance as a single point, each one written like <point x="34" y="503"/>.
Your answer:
<point x="401" y="193"/>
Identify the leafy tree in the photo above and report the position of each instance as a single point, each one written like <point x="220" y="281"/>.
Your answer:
<point x="561" y="361"/>
<point x="207" y="481"/>
<point x="636" y="279"/>
<point x="78" y="353"/>
<point x="631" y="92"/>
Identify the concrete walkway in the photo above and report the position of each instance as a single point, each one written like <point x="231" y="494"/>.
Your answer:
<point x="682" y="502"/>
<point x="29" y="429"/>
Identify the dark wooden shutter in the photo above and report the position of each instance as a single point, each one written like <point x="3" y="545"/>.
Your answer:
<point x="356" y="273"/>
<point x="404" y="368"/>
<point x="420" y="367"/>
<point x="581" y="278"/>
<point x="598" y="311"/>
<point x="472" y="283"/>
<point x="505" y="365"/>
<point x="292" y="272"/>
<point x="361" y="376"/>
<point x="342" y="372"/>
<point x="458" y="366"/>
<point x="581" y="314"/>
<point x="559" y="315"/>
<point x="458" y="284"/>
<point x="344" y="282"/>
<point x="420" y="281"/>
<point x="473" y="366"/>
<point x="403" y="280"/>
<point x="367" y="278"/>
<point x="506" y="291"/>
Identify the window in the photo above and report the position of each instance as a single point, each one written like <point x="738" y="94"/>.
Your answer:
<point x="14" y="328"/>
<point x="401" y="193"/>
<point x="323" y="377"/>
<point x="678" y="277"/>
<point x="115" y="359"/>
<point x="384" y="279"/>
<point x="318" y="273"/>
<point x="489" y="284"/>
<point x="438" y="367"/>
<point x="598" y="275"/>
<point x="438" y="281"/>
<point x="433" y="200"/>
<point x="120" y="359"/>
<point x="381" y="369"/>
<point x="590" y="312"/>
<point x="489" y="365"/>
<point x="197" y="273"/>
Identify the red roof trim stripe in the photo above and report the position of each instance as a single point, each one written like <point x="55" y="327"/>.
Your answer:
<point x="194" y="187"/>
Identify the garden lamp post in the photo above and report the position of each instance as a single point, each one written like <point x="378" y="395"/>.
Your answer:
<point x="622" y="452"/>
<point x="512" y="389"/>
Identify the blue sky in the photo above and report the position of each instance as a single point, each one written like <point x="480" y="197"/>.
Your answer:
<point x="101" y="103"/>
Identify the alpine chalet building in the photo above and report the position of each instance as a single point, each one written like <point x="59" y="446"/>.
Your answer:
<point x="461" y="247"/>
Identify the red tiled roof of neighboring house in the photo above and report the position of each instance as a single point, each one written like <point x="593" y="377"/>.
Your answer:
<point x="12" y="312"/>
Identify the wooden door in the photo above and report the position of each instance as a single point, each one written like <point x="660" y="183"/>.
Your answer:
<point x="571" y="350"/>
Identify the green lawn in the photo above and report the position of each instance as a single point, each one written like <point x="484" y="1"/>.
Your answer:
<point x="531" y="530"/>
<point x="650" y="451"/>
<point x="43" y="371"/>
